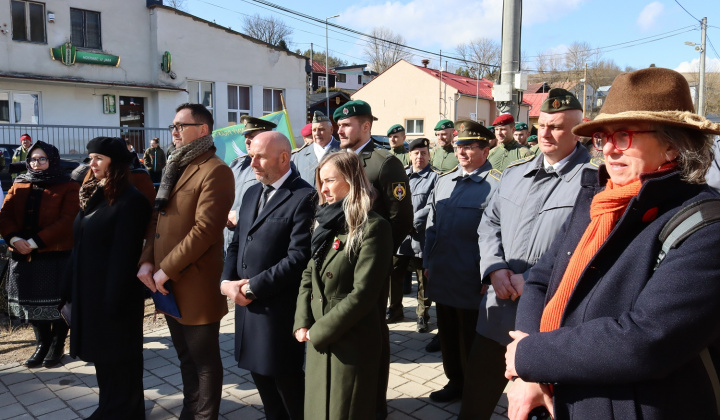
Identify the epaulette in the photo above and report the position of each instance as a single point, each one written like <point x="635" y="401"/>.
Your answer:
<point x="300" y="148"/>
<point x="597" y="161"/>
<point x="450" y="171"/>
<point x="495" y="174"/>
<point x="408" y="166"/>
<point x="436" y="170"/>
<point x="521" y="161"/>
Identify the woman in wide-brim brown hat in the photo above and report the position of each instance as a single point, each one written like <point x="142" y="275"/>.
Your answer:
<point x="616" y="335"/>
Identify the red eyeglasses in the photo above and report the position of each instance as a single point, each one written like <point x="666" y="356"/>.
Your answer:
<point x="621" y="139"/>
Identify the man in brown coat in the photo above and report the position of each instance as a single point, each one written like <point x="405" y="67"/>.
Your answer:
<point x="184" y="248"/>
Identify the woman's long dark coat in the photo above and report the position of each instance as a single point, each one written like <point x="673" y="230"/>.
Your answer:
<point x="107" y="297"/>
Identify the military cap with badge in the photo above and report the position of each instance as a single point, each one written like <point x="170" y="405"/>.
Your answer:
<point x="353" y="109"/>
<point x="559" y="100"/>
<point x="397" y="128"/>
<point x="504" y="119"/>
<point x="472" y="132"/>
<point x="521" y="126"/>
<point x="419" y="142"/>
<point x="532" y="139"/>
<point x="444" y="124"/>
<point x="255" y="124"/>
<point x="319" y="117"/>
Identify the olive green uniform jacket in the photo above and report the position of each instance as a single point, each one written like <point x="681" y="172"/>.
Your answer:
<point x="444" y="159"/>
<point x="503" y="154"/>
<point x="338" y="303"/>
<point x="402" y="154"/>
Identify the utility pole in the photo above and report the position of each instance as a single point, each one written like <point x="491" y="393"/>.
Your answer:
<point x="505" y="94"/>
<point x="584" y="90"/>
<point x="701" y="93"/>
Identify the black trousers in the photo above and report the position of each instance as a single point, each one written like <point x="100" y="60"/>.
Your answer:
<point x="198" y="348"/>
<point x="121" y="390"/>
<point x="283" y="396"/>
<point x="456" y="327"/>
<point x="484" y="379"/>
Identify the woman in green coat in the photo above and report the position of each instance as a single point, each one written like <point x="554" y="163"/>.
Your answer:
<point x="337" y="308"/>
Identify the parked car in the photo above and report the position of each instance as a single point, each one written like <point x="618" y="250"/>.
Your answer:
<point x="8" y="149"/>
<point x="384" y="142"/>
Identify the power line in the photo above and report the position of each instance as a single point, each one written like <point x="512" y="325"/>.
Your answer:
<point x="686" y="11"/>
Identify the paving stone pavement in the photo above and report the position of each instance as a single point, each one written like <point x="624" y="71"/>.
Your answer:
<point x="69" y="390"/>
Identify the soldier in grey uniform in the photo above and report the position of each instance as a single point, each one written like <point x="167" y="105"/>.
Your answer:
<point x="396" y="138"/>
<point x="387" y="176"/>
<point x="307" y="157"/>
<point x="422" y="181"/>
<point x="244" y="175"/>
<point x="443" y="156"/>
<point x="535" y="196"/>
<point x="451" y="255"/>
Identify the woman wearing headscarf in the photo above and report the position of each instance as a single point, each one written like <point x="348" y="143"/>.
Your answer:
<point x="612" y="333"/>
<point x="107" y="299"/>
<point x="337" y="308"/>
<point x="36" y="221"/>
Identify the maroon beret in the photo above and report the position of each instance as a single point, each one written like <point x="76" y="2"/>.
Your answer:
<point x="504" y="119"/>
<point x="306" y="131"/>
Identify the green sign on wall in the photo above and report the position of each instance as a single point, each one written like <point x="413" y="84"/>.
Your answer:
<point x="68" y="55"/>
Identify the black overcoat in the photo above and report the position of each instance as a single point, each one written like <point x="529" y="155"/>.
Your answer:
<point x="629" y="340"/>
<point x="107" y="297"/>
<point x="271" y="250"/>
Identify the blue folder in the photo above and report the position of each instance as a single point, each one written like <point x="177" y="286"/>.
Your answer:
<point x="166" y="303"/>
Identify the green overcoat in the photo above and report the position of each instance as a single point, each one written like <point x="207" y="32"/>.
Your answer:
<point x="338" y="302"/>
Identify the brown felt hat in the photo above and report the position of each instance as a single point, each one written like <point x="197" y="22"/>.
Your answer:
<point x="653" y="95"/>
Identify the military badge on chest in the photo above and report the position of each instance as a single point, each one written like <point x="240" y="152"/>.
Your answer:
<point x="399" y="190"/>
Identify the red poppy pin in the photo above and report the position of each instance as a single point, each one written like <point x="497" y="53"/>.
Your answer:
<point x="336" y="244"/>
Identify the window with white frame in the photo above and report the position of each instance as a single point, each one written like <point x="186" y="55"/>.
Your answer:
<point x="28" y="21"/>
<point x="238" y="103"/>
<point x="201" y="93"/>
<point x="414" y="127"/>
<point x="322" y="81"/>
<point x="85" y="29"/>
<point x="271" y="101"/>
<point x="19" y="107"/>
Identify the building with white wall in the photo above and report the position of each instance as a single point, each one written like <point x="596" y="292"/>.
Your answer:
<point x="140" y="56"/>
<point x="353" y="77"/>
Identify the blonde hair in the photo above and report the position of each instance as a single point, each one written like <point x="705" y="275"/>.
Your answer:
<point x="359" y="200"/>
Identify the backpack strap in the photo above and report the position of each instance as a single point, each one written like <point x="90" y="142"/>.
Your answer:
<point x="686" y="222"/>
<point x="683" y="224"/>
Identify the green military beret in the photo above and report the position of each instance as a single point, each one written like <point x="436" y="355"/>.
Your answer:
<point x="521" y="126"/>
<point x="353" y="109"/>
<point x="472" y="132"/>
<point x="443" y="124"/>
<point x="419" y="142"/>
<point x="491" y="128"/>
<point x="532" y="139"/>
<point x="255" y="124"/>
<point x="319" y="117"/>
<point x="560" y="100"/>
<point x="397" y="128"/>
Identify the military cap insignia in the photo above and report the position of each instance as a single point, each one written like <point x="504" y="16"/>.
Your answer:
<point x="346" y="111"/>
<point x="556" y="104"/>
<point x="399" y="190"/>
<point x="597" y="161"/>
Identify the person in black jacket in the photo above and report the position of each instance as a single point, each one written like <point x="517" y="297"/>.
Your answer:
<point x="106" y="298"/>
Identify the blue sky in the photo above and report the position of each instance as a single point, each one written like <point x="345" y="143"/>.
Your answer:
<point x="548" y="26"/>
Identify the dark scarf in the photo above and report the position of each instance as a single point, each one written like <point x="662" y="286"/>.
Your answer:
<point x="52" y="175"/>
<point x="330" y="220"/>
<point x="179" y="160"/>
<point x="87" y="190"/>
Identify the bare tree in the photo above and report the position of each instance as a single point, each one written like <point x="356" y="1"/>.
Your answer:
<point x="268" y="29"/>
<point x="550" y="68"/>
<point x="382" y="50"/>
<point x="177" y="4"/>
<point x="482" y="55"/>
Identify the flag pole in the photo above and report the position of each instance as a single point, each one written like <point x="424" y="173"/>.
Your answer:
<point x="287" y="118"/>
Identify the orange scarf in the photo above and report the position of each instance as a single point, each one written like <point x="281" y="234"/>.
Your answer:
<point x="606" y="209"/>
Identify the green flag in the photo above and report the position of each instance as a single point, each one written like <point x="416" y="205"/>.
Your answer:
<point x="230" y="142"/>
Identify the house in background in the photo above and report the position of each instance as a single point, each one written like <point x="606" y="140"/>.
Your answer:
<point x="85" y="63"/>
<point x="418" y="97"/>
<point x="353" y="77"/>
<point x="535" y="101"/>
<point x="318" y="78"/>
<point x="317" y="102"/>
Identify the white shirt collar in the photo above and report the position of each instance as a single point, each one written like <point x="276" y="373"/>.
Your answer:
<point x="559" y="164"/>
<point x="277" y="184"/>
<point x="320" y="151"/>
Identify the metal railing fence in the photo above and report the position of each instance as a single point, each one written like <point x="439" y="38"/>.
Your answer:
<point x="72" y="139"/>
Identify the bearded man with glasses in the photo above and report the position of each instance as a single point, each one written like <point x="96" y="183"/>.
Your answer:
<point x="184" y="248"/>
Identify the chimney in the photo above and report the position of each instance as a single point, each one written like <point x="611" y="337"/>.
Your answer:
<point x="425" y="62"/>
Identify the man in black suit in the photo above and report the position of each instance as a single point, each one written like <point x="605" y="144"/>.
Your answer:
<point x="263" y="267"/>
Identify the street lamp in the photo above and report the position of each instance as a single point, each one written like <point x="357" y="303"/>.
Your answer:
<point x="327" y="72"/>
<point x="701" y="83"/>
